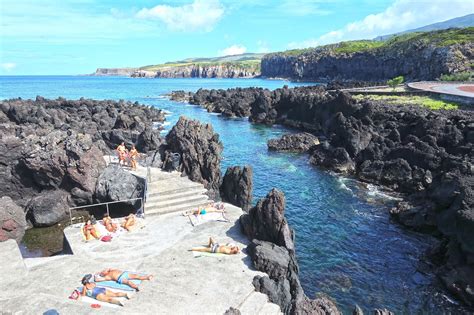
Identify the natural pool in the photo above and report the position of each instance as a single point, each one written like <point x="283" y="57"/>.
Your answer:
<point x="346" y="245"/>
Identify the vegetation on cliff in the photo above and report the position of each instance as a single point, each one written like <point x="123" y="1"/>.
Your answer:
<point x="422" y="101"/>
<point x="416" y="56"/>
<point x="440" y="38"/>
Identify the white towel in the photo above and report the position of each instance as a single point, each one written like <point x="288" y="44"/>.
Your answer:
<point x="202" y="218"/>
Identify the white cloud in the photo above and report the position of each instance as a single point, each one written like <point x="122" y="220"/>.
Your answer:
<point x="8" y="66"/>
<point x="232" y="50"/>
<point x="201" y="15"/>
<point x="400" y="16"/>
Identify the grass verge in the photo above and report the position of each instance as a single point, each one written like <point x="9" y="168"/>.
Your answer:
<point x="423" y="101"/>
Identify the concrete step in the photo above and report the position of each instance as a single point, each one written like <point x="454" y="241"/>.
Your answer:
<point x="177" y="208"/>
<point x="168" y="187"/>
<point x="158" y="177"/>
<point x="177" y="201"/>
<point x="175" y="194"/>
<point x="253" y="303"/>
<point x="270" y="309"/>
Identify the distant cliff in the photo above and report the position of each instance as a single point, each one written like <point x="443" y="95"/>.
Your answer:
<point x="199" y="71"/>
<point x="235" y="66"/>
<point x="417" y="56"/>
<point x="115" y="71"/>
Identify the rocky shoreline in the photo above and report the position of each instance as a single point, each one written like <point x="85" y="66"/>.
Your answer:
<point x="58" y="146"/>
<point x="52" y="153"/>
<point x="426" y="155"/>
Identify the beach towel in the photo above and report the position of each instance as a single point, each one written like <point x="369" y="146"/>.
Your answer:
<point x="205" y="254"/>
<point x="90" y="301"/>
<point x="202" y="218"/>
<point x="116" y="285"/>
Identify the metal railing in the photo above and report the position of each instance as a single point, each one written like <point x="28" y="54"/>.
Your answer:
<point x="147" y="180"/>
<point x="141" y="209"/>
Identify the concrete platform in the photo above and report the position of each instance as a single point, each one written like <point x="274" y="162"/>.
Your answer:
<point x="183" y="283"/>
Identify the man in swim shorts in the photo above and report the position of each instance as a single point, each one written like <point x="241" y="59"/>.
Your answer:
<point x="122" y="277"/>
<point x="214" y="247"/>
<point x="122" y="153"/>
<point x="91" y="290"/>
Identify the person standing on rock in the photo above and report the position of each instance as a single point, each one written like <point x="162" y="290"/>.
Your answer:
<point x="122" y="153"/>
<point x="133" y="157"/>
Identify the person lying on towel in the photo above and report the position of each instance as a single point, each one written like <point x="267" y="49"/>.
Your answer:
<point x="129" y="222"/>
<point x="214" y="247"/>
<point x="91" y="290"/>
<point x="122" y="277"/>
<point x="109" y="225"/>
<point x="89" y="231"/>
<point x="203" y="210"/>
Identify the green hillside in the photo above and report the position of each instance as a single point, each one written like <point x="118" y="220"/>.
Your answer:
<point x="438" y="38"/>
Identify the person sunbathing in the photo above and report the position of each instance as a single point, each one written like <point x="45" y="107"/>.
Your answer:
<point x="91" y="290"/>
<point x="109" y="225"/>
<point x="129" y="223"/>
<point x="89" y="231"/>
<point x="214" y="247"/>
<point x="203" y="210"/>
<point x="122" y="277"/>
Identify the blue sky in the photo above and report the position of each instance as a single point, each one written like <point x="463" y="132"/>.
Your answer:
<point x="77" y="36"/>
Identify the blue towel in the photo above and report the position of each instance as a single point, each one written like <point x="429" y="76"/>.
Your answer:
<point x="116" y="285"/>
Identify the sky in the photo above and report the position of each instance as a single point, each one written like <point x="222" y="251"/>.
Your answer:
<point x="49" y="37"/>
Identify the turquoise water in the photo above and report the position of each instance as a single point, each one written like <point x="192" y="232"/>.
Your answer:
<point x="346" y="245"/>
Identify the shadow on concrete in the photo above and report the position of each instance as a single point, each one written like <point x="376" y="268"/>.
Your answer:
<point x="235" y="232"/>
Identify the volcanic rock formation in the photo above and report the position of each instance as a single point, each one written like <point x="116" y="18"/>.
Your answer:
<point x="299" y="142"/>
<point x="273" y="251"/>
<point x="12" y="220"/>
<point x="51" y="151"/>
<point x="237" y="186"/>
<point x="200" y="153"/>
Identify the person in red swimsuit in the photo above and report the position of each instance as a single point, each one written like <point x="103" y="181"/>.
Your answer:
<point x="89" y="231"/>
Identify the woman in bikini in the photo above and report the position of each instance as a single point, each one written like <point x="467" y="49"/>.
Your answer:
<point x="133" y="154"/>
<point x="129" y="223"/>
<point x="109" y="225"/>
<point x="214" y="247"/>
<point x="91" y="290"/>
<point x="89" y="231"/>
